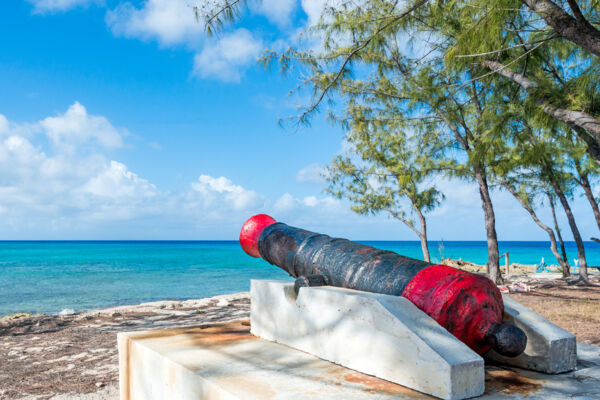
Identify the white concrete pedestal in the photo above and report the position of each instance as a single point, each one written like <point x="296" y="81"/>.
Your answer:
<point x="550" y="349"/>
<point x="380" y="335"/>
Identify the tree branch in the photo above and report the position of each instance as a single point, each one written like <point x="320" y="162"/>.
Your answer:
<point x="353" y="53"/>
<point x="573" y="118"/>
<point x="580" y="32"/>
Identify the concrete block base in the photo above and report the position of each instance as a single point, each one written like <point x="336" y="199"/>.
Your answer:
<point x="550" y="349"/>
<point x="227" y="362"/>
<point x="380" y="335"/>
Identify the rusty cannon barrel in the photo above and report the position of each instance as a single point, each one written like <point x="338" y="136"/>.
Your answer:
<point x="468" y="305"/>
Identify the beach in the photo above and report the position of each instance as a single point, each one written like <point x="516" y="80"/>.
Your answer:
<point x="68" y="357"/>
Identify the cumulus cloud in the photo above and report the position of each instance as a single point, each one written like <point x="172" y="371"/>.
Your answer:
<point x="277" y="11"/>
<point x="226" y="57"/>
<point x="77" y="127"/>
<point x="116" y="181"/>
<point x="288" y="203"/>
<point x="312" y="173"/>
<point x="44" y="6"/>
<point x="172" y="23"/>
<point x="62" y="181"/>
<point x="168" y="21"/>
<point x="223" y="192"/>
<point x="56" y="177"/>
<point x="313" y="10"/>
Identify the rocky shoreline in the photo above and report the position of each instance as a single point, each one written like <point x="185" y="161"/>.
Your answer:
<point x="67" y="357"/>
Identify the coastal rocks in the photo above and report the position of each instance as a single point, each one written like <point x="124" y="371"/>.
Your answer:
<point x="74" y="356"/>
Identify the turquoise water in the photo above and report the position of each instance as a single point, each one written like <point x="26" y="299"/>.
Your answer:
<point x="50" y="276"/>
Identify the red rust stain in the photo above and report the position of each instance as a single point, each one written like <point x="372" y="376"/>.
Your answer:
<point x="221" y="334"/>
<point x="365" y="250"/>
<point x="509" y="382"/>
<point x="374" y="385"/>
<point x="204" y="335"/>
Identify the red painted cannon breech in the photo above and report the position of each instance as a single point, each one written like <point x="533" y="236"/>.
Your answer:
<point x="468" y="305"/>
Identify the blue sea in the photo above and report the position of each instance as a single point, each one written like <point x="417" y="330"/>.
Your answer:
<point x="48" y="276"/>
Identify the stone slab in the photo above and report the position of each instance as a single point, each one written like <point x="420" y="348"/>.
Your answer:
<point x="227" y="362"/>
<point x="380" y="335"/>
<point x="550" y="349"/>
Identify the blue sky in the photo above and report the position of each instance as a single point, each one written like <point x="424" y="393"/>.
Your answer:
<point x="122" y="120"/>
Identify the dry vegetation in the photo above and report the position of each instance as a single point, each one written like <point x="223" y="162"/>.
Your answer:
<point x="573" y="308"/>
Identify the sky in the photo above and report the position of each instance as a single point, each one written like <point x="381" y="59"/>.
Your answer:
<point x="123" y="120"/>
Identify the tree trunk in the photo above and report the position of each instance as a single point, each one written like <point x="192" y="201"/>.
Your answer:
<point x="422" y="234"/>
<point x="577" y="30"/>
<point x="490" y="228"/>
<point x="576" y="235"/>
<point x="563" y="263"/>
<point x="587" y="188"/>
<point x="423" y="237"/>
<point x="566" y="271"/>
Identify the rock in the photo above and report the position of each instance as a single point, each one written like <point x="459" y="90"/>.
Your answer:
<point x="222" y="303"/>
<point x="116" y="314"/>
<point x="16" y="316"/>
<point x="67" y="311"/>
<point x="100" y="384"/>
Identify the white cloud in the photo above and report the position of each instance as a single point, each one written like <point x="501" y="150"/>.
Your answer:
<point x="285" y="203"/>
<point x="226" y="57"/>
<point x="312" y="173"/>
<point x="310" y="201"/>
<point x="71" y="180"/>
<point x="116" y="181"/>
<point x="172" y="22"/>
<point x="168" y="21"/>
<point x="3" y="124"/>
<point x="44" y="6"/>
<point x="77" y="127"/>
<point x="288" y="204"/>
<point x="56" y="191"/>
<point x="313" y="10"/>
<point x="222" y="192"/>
<point x="277" y="11"/>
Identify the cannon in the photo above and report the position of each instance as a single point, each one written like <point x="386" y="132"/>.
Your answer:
<point x="467" y="305"/>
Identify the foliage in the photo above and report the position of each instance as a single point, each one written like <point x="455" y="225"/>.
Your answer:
<point x="384" y="171"/>
<point x="502" y="92"/>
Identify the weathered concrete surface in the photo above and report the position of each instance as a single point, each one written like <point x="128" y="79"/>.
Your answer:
<point x="380" y="335"/>
<point x="227" y="362"/>
<point x="550" y="349"/>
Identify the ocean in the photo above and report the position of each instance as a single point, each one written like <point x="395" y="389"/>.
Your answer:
<point x="49" y="276"/>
